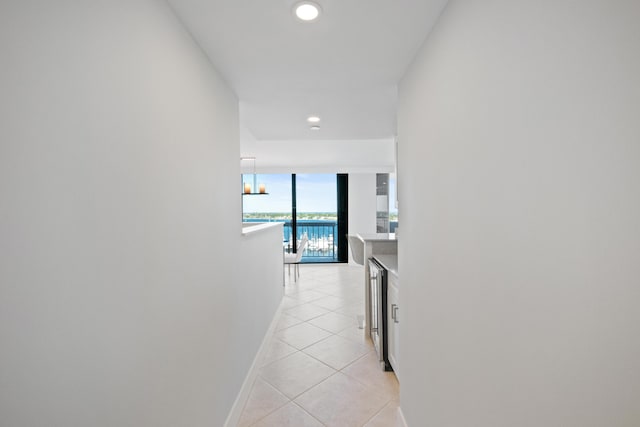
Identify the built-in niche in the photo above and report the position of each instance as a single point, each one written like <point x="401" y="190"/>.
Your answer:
<point x="382" y="203"/>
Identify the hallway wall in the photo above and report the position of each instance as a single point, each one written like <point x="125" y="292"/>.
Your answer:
<point x="118" y="236"/>
<point x="519" y="149"/>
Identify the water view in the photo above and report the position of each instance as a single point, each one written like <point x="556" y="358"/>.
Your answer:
<point x="320" y="228"/>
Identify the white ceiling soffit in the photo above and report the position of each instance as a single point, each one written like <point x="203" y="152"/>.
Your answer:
<point x="344" y="67"/>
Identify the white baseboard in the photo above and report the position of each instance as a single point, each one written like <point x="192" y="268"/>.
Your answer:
<point x="243" y="395"/>
<point x="404" y="422"/>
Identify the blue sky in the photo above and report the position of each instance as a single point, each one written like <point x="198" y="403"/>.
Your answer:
<point x="316" y="193"/>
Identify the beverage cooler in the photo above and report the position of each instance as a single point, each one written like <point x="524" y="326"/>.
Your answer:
<point x="378" y="311"/>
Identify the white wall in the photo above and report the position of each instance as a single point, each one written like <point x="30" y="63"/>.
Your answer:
<point x="520" y="209"/>
<point x="121" y="298"/>
<point x="260" y="263"/>
<point x="362" y="204"/>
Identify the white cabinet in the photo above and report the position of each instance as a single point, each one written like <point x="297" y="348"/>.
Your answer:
<point x="393" y="324"/>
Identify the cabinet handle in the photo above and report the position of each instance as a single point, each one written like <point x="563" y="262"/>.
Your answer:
<point x="394" y="313"/>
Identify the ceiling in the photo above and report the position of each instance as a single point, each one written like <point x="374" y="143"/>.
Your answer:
<point x="343" y="67"/>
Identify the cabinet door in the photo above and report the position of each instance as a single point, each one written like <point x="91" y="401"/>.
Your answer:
<point x="393" y="322"/>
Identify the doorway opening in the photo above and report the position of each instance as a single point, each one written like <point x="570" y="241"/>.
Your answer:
<point x="311" y="204"/>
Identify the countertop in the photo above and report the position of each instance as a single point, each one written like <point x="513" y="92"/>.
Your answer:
<point x="390" y="262"/>
<point x="377" y="237"/>
<point x="249" y="228"/>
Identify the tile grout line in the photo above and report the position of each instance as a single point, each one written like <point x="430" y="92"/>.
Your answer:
<point x="275" y="410"/>
<point x="345" y="302"/>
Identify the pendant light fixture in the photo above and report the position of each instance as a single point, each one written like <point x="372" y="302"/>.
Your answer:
<point x="249" y="187"/>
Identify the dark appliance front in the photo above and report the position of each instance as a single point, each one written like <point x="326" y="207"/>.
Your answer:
<point x="378" y="311"/>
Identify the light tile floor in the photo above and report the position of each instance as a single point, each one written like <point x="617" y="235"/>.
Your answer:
<point x="320" y="369"/>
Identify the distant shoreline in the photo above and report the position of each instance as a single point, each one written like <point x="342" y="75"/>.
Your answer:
<point x="286" y="216"/>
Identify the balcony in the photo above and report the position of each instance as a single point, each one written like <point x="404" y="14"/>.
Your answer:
<point x="323" y="242"/>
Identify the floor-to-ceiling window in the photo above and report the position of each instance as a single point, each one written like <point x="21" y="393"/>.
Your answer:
<point x="317" y="215"/>
<point x="311" y="204"/>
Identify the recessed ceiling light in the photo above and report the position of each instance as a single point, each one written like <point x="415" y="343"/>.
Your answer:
<point x="313" y="119"/>
<point x="315" y="127"/>
<point x="307" y="11"/>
